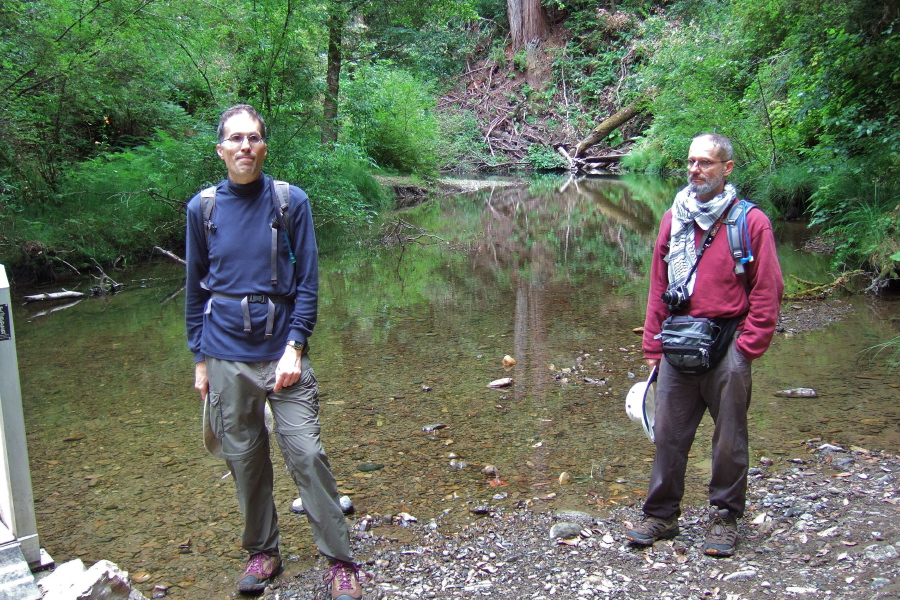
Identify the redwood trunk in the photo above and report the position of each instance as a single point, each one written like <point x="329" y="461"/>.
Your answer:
<point x="527" y="22"/>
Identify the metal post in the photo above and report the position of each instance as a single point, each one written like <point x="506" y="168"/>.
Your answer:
<point x="16" y="495"/>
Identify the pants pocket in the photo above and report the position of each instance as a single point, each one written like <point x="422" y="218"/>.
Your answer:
<point x="216" y="422"/>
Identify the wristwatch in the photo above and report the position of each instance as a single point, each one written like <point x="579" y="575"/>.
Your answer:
<point x="298" y="346"/>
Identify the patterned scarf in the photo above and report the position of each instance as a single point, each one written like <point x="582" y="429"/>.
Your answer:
<point x="686" y="212"/>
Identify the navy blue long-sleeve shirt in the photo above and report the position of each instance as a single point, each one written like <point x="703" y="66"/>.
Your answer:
<point x="238" y="263"/>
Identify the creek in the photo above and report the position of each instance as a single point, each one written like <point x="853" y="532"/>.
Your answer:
<point x="410" y="333"/>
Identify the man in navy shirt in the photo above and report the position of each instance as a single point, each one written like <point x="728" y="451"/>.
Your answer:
<point x="250" y="308"/>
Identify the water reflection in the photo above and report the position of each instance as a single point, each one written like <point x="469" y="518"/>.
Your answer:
<point x="409" y="336"/>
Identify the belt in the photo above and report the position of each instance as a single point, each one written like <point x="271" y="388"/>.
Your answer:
<point x="249" y="299"/>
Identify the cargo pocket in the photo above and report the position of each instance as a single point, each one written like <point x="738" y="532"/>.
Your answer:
<point x="213" y="427"/>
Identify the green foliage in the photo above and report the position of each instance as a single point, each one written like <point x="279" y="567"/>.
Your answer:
<point x="390" y="114"/>
<point x="545" y="157"/>
<point x="122" y="203"/>
<point x="860" y="213"/>
<point x="520" y="60"/>
<point x="343" y="194"/>
<point x="462" y="141"/>
<point x="807" y="92"/>
<point x="786" y="191"/>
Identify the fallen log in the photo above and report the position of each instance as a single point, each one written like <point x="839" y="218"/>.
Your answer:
<point x="605" y="128"/>
<point x="171" y="255"/>
<point x="54" y="296"/>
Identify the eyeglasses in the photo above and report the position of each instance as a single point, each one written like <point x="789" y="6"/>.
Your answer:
<point x="238" y="139"/>
<point x="703" y="164"/>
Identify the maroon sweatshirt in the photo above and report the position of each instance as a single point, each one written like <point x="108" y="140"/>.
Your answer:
<point x="718" y="291"/>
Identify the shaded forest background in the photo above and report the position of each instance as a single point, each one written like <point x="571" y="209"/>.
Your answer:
<point x="109" y="106"/>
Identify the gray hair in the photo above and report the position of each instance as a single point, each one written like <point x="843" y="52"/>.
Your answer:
<point x="722" y="143"/>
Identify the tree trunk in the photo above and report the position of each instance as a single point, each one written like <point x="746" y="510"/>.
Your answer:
<point x="332" y="78"/>
<point x="527" y="22"/>
<point x="605" y="128"/>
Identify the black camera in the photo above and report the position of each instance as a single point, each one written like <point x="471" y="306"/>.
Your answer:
<point x="677" y="298"/>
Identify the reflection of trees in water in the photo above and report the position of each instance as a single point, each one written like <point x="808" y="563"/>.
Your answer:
<point x="521" y="226"/>
<point x="533" y="236"/>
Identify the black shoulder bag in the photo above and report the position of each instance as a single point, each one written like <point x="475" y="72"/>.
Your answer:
<point x="694" y="345"/>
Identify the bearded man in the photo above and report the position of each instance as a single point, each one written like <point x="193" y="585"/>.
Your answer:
<point x="711" y="289"/>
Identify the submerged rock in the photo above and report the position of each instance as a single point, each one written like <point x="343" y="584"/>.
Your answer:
<point x="798" y="393"/>
<point x="368" y="467"/>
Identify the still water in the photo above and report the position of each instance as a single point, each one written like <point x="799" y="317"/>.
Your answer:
<point x="411" y="331"/>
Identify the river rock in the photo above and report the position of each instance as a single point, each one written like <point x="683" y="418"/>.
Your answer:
<point x="798" y="393"/>
<point x="501" y="383"/>
<point x="573" y="515"/>
<point x="368" y="467"/>
<point x="103" y="581"/>
<point x="881" y="553"/>
<point x="565" y="529"/>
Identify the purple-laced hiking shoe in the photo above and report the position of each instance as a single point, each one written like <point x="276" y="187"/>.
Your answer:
<point x="344" y="580"/>
<point x="261" y="568"/>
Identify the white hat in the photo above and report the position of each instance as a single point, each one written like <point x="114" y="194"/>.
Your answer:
<point x="640" y="403"/>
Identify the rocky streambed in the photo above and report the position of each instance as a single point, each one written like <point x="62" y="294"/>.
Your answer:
<point x="822" y="523"/>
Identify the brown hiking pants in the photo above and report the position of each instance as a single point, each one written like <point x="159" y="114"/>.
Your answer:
<point x="681" y="401"/>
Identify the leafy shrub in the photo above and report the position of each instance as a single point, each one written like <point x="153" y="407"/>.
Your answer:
<point x="545" y="157"/>
<point x="861" y="213"/>
<point x="463" y="147"/>
<point x="390" y="114"/>
<point x="787" y="190"/>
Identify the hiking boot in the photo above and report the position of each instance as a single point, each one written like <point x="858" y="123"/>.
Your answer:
<point x="721" y="534"/>
<point x="261" y="568"/>
<point x="344" y="580"/>
<point x="652" y="529"/>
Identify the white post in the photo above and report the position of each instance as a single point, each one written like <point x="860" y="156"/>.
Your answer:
<point x="16" y="495"/>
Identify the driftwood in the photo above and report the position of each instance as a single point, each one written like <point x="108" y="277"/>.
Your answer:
<point x="55" y="296"/>
<point x="171" y="255"/>
<point x="823" y="290"/>
<point x="605" y="128"/>
<point x="590" y="165"/>
<point x="105" y="285"/>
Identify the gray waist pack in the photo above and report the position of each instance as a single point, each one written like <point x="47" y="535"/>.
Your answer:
<point x="694" y="345"/>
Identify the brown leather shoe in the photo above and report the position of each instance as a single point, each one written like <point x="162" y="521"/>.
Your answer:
<point x="261" y="568"/>
<point x="652" y="529"/>
<point x="344" y="580"/>
<point x="721" y="533"/>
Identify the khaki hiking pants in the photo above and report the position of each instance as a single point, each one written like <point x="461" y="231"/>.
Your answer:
<point x="237" y="395"/>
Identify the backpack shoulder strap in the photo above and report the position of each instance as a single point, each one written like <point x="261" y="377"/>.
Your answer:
<point x="739" y="234"/>
<point x="207" y="205"/>
<point x="282" y="199"/>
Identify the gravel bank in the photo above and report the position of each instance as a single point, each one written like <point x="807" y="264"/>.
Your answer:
<point x="822" y="524"/>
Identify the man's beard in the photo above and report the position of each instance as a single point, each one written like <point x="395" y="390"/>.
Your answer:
<point x="705" y="188"/>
